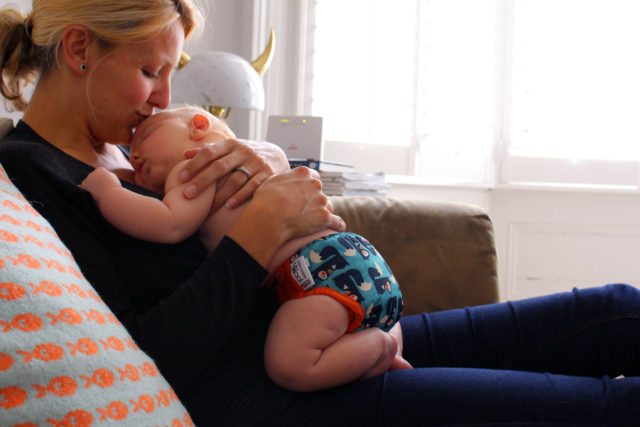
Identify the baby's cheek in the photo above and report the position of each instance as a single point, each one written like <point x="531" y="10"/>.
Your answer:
<point x="158" y="178"/>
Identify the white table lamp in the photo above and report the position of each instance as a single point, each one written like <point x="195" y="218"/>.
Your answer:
<point x="219" y="81"/>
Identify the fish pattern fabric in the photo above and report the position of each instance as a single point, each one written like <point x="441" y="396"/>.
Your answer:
<point x="65" y="359"/>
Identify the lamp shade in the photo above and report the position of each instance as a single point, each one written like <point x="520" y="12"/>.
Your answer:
<point x="218" y="79"/>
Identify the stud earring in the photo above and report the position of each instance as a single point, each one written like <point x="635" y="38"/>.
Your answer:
<point x="83" y="67"/>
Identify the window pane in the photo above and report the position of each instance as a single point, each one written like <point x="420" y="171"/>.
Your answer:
<point x="364" y="70"/>
<point x="418" y="73"/>
<point x="576" y="79"/>
<point x="456" y="103"/>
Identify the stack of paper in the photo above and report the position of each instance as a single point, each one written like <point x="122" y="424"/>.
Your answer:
<point x="341" y="183"/>
<point x="340" y="179"/>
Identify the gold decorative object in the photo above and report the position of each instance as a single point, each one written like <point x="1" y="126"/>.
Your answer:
<point x="184" y="59"/>
<point x="262" y="63"/>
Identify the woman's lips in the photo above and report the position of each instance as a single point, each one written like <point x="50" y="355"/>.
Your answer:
<point x="139" y="119"/>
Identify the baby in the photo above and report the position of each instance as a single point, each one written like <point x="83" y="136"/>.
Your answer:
<point x="346" y="284"/>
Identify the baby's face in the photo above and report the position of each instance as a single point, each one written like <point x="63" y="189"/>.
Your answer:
<point x="158" y="145"/>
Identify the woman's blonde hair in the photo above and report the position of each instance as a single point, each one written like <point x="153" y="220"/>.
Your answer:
<point x="29" y="45"/>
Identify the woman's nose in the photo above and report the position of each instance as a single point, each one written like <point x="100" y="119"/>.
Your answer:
<point x="161" y="96"/>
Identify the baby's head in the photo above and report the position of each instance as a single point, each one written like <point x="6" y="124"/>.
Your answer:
<point x="160" y="141"/>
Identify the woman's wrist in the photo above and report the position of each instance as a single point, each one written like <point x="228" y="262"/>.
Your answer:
<point x="260" y="235"/>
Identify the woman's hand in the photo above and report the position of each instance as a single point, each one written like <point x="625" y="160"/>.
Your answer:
<point x="286" y="205"/>
<point x="260" y="160"/>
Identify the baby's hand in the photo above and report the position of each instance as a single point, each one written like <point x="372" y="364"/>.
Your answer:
<point x="388" y="354"/>
<point x="99" y="180"/>
<point x="399" y="362"/>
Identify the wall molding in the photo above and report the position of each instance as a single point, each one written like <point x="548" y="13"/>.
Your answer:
<point x="551" y="257"/>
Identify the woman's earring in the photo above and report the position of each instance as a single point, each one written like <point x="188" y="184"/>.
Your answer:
<point x="83" y="67"/>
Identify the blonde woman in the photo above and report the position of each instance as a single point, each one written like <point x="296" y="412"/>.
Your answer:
<point x="102" y="67"/>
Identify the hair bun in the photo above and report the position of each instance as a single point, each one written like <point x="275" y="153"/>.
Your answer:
<point x="15" y="56"/>
<point x="27" y="26"/>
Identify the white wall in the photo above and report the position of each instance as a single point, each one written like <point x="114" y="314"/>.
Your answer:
<point x="550" y="240"/>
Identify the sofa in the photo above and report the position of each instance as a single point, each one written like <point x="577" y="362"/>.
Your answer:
<point x="442" y="253"/>
<point x="65" y="359"/>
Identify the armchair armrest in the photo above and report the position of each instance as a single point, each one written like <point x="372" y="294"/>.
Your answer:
<point x="442" y="253"/>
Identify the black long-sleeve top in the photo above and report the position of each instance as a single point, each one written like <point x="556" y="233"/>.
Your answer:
<point x="197" y="314"/>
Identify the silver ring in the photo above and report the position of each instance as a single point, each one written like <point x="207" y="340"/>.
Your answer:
<point x="244" y="171"/>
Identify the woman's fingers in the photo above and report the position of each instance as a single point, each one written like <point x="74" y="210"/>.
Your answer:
<point x="286" y="205"/>
<point x="235" y="196"/>
<point x="210" y="163"/>
<point x="335" y="222"/>
<point x="202" y="158"/>
<point x="301" y="198"/>
<point x="242" y="183"/>
<point x="237" y="189"/>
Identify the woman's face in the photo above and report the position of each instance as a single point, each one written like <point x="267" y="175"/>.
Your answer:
<point x="127" y="83"/>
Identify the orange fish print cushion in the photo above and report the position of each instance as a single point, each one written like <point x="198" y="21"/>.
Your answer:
<point x="65" y="360"/>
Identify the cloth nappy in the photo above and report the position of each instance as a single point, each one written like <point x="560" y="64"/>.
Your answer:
<point x="346" y="267"/>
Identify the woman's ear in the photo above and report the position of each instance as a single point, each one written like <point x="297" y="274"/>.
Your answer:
<point x="76" y="41"/>
<point x="199" y="126"/>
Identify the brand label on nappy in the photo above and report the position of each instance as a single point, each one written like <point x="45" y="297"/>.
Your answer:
<point x="300" y="272"/>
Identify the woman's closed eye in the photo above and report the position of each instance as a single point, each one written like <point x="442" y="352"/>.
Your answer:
<point x="149" y="74"/>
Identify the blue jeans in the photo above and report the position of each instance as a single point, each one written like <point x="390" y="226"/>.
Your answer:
<point x="550" y="360"/>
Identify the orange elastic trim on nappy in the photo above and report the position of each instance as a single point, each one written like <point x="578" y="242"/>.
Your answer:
<point x="356" y="312"/>
<point x="288" y="288"/>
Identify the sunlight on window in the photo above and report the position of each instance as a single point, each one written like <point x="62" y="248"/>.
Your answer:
<point x="364" y="70"/>
<point x="418" y="73"/>
<point x="456" y="104"/>
<point x="576" y="79"/>
<point x="453" y="79"/>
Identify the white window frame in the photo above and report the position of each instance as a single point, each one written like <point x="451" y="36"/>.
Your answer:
<point x="513" y="170"/>
<point x="288" y="86"/>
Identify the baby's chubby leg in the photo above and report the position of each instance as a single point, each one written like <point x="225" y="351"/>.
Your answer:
<point x="307" y="348"/>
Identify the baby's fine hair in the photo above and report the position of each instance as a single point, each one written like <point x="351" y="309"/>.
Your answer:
<point x="29" y="45"/>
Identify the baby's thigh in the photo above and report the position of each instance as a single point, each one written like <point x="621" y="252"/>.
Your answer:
<point x="311" y="322"/>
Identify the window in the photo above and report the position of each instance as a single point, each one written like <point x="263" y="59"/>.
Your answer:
<point x="544" y="91"/>
<point x="364" y="76"/>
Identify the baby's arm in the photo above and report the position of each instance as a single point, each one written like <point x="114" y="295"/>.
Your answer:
<point x="169" y="220"/>
<point x="307" y="348"/>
